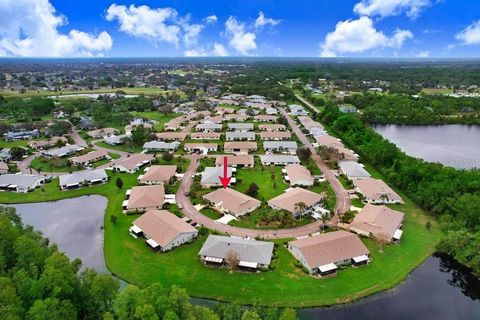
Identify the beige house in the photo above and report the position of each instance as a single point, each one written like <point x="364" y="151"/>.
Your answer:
<point x="241" y="160"/>
<point x="157" y="175"/>
<point x="275" y="135"/>
<point x="144" y="198"/>
<point x="133" y="163"/>
<point x="200" y="148"/>
<point x="376" y="191"/>
<point x="163" y="230"/>
<point x="265" y="118"/>
<point x="272" y="127"/>
<point x="331" y="142"/>
<point x="171" y="136"/>
<point x="381" y="222"/>
<point x="240" y="147"/>
<point x="298" y="175"/>
<point x="205" y="135"/>
<point x="88" y="158"/>
<point x="292" y="200"/>
<point x="100" y="133"/>
<point x="232" y="202"/>
<point x="324" y="253"/>
<point x="43" y="144"/>
<point x="3" y="168"/>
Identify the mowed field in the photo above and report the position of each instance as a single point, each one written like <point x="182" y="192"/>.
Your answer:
<point x="127" y="90"/>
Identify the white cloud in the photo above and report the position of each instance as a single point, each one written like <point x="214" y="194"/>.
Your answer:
<point x="356" y="36"/>
<point x="219" y="50"/>
<point x="155" y="24"/>
<point x="470" y="35"/>
<point x="240" y="39"/>
<point x="384" y="8"/>
<point x="423" y="54"/>
<point x="30" y="28"/>
<point x="211" y="19"/>
<point x="264" y="21"/>
<point x="195" y="53"/>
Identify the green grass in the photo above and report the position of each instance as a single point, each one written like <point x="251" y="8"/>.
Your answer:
<point x="268" y="187"/>
<point x="135" y="90"/>
<point x="212" y="214"/>
<point x="251" y="220"/>
<point x="122" y="147"/>
<point x="358" y="203"/>
<point x="155" y="115"/>
<point x="45" y="164"/>
<point x="287" y="285"/>
<point x="11" y="144"/>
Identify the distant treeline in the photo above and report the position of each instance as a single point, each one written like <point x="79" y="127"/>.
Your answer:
<point x="449" y="194"/>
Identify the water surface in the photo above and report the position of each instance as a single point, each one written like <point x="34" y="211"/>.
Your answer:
<point x="453" y="145"/>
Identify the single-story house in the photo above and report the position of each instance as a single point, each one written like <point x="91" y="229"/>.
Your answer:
<point x="236" y="161"/>
<point x="3" y="168"/>
<point x="144" y="198"/>
<point x="157" y="174"/>
<point x="115" y="140"/>
<point x="297" y="110"/>
<point x="5" y="154"/>
<point x="376" y="191"/>
<point x="324" y="253"/>
<point x="277" y="159"/>
<point x="171" y="136"/>
<point x="250" y="254"/>
<point x="280" y="146"/>
<point x="272" y="127"/>
<point x="208" y="127"/>
<point x="213" y="119"/>
<point x="43" y="144"/>
<point x="200" y="148"/>
<point x="86" y="159"/>
<point x="265" y="118"/>
<point x="236" y="117"/>
<point x="173" y="124"/>
<point x="379" y="222"/>
<point x="331" y="142"/>
<point x="211" y="177"/>
<point x="163" y="230"/>
<point x="223" y="110"/>
<point x="82" y="178"/>
<point x="183" y="110"/>
<point x="275" y="135"/>
<point x="242" y="127"/>
<point x="99" y="133"/>
<point x="353" y="169"/>
<point x="132" y="163"/>
<point x="63" y="151"/>
<point x="292" y="199"/>
<point x="21" y="182"/>
<point x="160" y="146"/>
<point x="21" y="135"/>
<point x="205" y="135"/>
<point x="298" y="175"/>
<point x="271" y="111"/>
<point x="232" y="202"/>
<point x="240" y="136"/>
<point x="240" y="147"/>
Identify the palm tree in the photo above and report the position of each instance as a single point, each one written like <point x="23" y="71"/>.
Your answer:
<point x="384" y="197"/>
<point x="300" y="207"/>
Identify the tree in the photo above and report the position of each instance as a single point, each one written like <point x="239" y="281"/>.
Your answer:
<point x="167" y="156"/>
<point x="52" y="309"/>
<point x="300" y="207"/>
<point x="382" y="239"/>
<point x="304" y="153"/>
<point x="288" y="314"/>
<point x="10" y="303"/>
<point x="119" y="183"/>
<point x="252" y="190"/>
<point x="231" y="260"/>
<point x="17" y="153"/>
<point x="250" y="315"/>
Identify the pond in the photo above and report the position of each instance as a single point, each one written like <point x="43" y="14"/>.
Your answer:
<point x="75" y="225"/>
<point x="453" y="145"/>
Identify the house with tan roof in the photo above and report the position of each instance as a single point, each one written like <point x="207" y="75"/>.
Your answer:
<point x="171" y="136"/>
<point x="132" y="163"/>
<point x="236" y="161"/>
<point x="99" y="133"/>
<point x="275" y="135"/>
<point x="298" y="175"/>
<point x="144" y="198"/>
<point x="232" y="202"/>
<point x="3" y="168"/>
<point x="236" y="117"/>
<point x="88" y="158"/>
<point x="293" y="199"/>
<point x="379" y="222"/>
<point x="213" y="119"/>
<point x="272" y="127"/>
<point x="240" y="147"/>
<point x="173" y="125"/>
<point x="200" y="148"/>
<point x="163" y="230"/>
<point x="265" y="118"/>
<point x="324" y="253"/>
<point x="331" y="142"/>
<point x="376" y="191"/>
<point x="205" y="135"/>
<point x="44" y="144"/>
<point x="157" y="174"/>
<point x="223" y="110"/>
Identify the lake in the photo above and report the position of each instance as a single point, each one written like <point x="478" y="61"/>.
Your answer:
<point x="454" y="145"/>
<point x="75" y="225"/>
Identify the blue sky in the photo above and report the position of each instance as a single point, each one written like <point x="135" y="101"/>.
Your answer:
<point x="347" y="28"/>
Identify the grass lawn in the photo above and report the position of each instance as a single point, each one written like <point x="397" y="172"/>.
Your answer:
<point x="212" y="214"/>
<point x="45" y="164"/>
<point x="252" y="220"/>
<point x="155" y="115"/>
<point x="11" y="144"/>
<point x="135" y="90"/>
<point x="269" y="180"/>
<point x="358" y="203"/>
<point x="287" y="285"/>
<point x="121" y="147"/>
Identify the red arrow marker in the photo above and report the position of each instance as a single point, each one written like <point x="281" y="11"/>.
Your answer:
<point x="225" y="180"/>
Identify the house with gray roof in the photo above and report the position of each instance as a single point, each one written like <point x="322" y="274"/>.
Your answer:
<point x="353" y="169"/>
<point x="283" y="160"/>
<point x="242" y="127"/>
<point x="210" y="176"/>
<point x="82" y="178"/>
<point x="21" y="135"/>
<point x="5" y="155"/>
<point x="280" y="146"/>
<point x="160" y="146"/>
<point x="240" y="136"/>
<point x="208" y="127"/>
<point x="115" y="140"/>
<point x="63" y="151"/>
<point x="250" y="254"/>
<point x="21" y="182"/>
